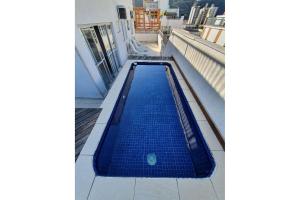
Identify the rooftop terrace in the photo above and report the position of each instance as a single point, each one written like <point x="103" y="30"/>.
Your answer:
<point x="123" y="127"/>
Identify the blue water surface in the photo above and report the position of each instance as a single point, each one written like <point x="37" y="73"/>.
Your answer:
<point x="148" y="140"/>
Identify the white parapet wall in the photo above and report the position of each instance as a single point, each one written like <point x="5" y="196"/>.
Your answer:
<point x="203" y="64"/>
<point x="173" y="23"/>
<point x="146" y="37"/>
<point x="214" y="34"/>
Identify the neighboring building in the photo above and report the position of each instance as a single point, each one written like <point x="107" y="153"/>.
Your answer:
<point x="212" y="11"/>
<point x="146" y="19"/>
<point x="162" y="4"/>
<point x="193" y="14"/>
<point x="150" y="4"/>
<point x="201" y="15"/>
<point x="185" y="6"/>
<point x="205" y="13"/>
<point x="164" y="7"/>
<point x="137" y="3"/>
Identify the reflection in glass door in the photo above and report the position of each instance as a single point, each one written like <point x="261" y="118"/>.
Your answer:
<point x="96" y="50"/>
<point x="112" y="44"/>
<point x="108" y="48"/>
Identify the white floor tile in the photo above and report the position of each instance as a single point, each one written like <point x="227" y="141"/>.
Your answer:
<point x="93" y="140"/>
<point x="156" y="189"/>
<point x="111" y="97"/>
<point x="197" y="111"/>
<point x="152" y="48"/>
<point x="183" y="85"/>
<point x="105" y="114"/>
<point x="209" y="136"/>
<point x="84" y="176"/>
<point x="178" y="74"/>
<point x="196" y="189"/>
<point x="110" y="188"/>
<point x="218" y="176"/>
<point x="189" y="96"/>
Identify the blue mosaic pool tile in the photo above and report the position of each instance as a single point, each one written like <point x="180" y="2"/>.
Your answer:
<point x="148" y="140"/>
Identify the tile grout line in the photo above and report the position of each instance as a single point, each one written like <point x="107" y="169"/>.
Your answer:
<point x="91" y="188"/>
<point x="214" y="188"/>
<point x="85" y="154"/>
<point x="201" y="120"/>
<point x="178" y="189"/>
<point x="134" y="188"/>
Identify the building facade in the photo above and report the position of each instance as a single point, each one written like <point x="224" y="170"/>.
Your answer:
<point x="101" y="40"/>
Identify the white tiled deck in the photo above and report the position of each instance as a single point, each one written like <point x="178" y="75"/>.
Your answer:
<point x="91" y="187"/>
<point x="152" y="48"/>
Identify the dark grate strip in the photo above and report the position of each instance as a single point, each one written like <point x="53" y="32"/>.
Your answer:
<point x="85" y="119"/>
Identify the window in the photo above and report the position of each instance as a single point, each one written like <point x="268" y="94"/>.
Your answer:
<point x="122" y="12"/>
<point x="110" y="47"/>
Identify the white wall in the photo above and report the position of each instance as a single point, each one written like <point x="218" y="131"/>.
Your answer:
<point x="211" y="100"/>
<point x="146" y="37"/>
<point x="174" y="23"/>
<point x="85" y="87"/>
<point x="99" y="11"/>
<point x="163" y="4"/>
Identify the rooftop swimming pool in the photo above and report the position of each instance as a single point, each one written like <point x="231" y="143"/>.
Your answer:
<point x="152" y="131"/>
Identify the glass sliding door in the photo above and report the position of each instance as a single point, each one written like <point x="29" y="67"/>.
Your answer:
<point x="102" y="46"/>
<point x="112" y="44"/>
<point x="93" y="43"/>
<point x="97" y="53"/>
<point x="109" y="47"/>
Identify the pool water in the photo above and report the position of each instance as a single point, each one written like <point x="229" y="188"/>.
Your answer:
<point x="146" y="136"/>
